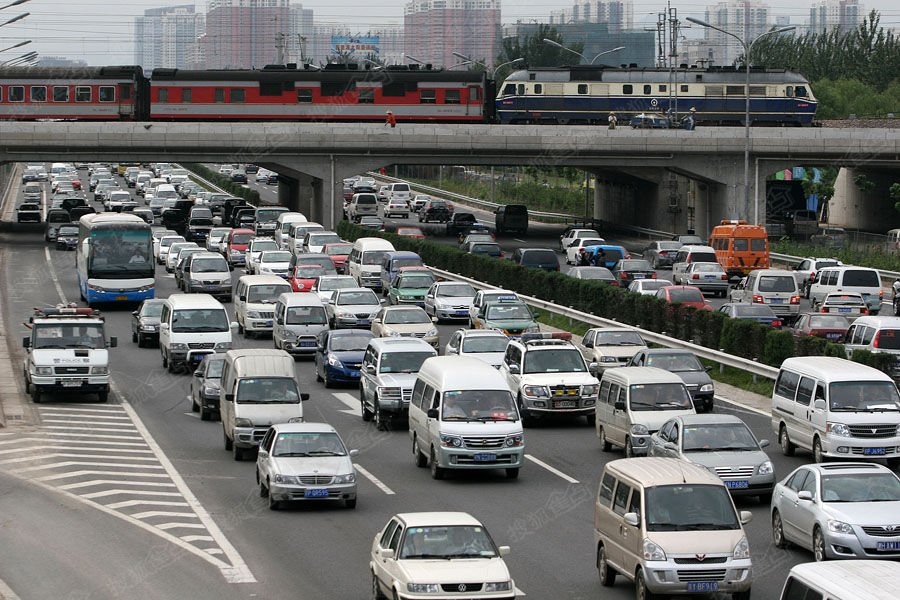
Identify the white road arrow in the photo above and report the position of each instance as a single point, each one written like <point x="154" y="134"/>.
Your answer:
<point x="351" y="402"/>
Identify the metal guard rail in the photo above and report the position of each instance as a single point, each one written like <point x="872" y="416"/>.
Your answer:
<point x="889" y="275"/>
<point x="722" y="358"/>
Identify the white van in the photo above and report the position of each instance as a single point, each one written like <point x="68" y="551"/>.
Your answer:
<point x="843" y="580"/>
<point x="848" y="279"/>
<point x="633" y="404"/>
<point x="299" y="318"/>
<point x="166" y="191"/>
<point x="190" y="327"/>
<point x="283" y="228"/>
<point x="254" y="302"/>
<point x="836" y="408"/>
<point x="687" y="255"/>
<point x="463" y="416"/>
<point x="298" y="233"/>
<point x="258" y="389"/>
<point x="775" y="288"/>
<point x="364" y="263"/>
<point x="398" y="191"/>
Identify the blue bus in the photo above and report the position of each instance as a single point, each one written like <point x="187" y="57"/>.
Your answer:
<point x="114" y="258"/>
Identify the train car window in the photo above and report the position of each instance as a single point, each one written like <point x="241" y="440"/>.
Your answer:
<point x="648" y="89"/>
<point x="16" y="93"/>
<point x="163" y="95"/>
<point x="304" y="96"/>
<point x="187" y="95"/>
<point x="125" y="91"/>
<point x="83" y="93"/>
<point x="800" y="91"/>
<point x="757" y="90"/>
<point x="393" y="90"/>
<point x="627" y="89"/>
<point x="427" y="97"/>
<point x="1" y="94"/>
<point x="734" y="90"/>
<point x="538" y="88"/>
<point x="107" y="93"/>
<point x="336" y="89"/>
<point x="219" y="95"/>
<point x="38" y="93"/>
<point x="474" y="94"/>
<point x="582" y="88"/>
<point x="684" y="89"/>
<point x="715" y="90"/>
<point x="237" y="96"/>
<point x="520" y="89"/>
<point x="509" y="89"/>
<point x="451" y="97"/>
<point x="367" y="96"/>
<point x="270" y="88"/>
<point x="663" y="88"/>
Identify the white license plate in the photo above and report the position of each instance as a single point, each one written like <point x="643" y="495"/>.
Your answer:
<point x="71" y="384"/>
<point x="639" y="275"/>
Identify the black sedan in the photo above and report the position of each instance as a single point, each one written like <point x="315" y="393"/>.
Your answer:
<point x="761" y="313"/>
<point x="205" y="386"/>
<point x="629" y="269"/>
<point x="649" y="121"/>
<point x="460" y="222"/>
<point x="67" y="237"/>
<point x="238" y="177"/>
<point x="145" y="322"/>
<point x="684" y="364"/>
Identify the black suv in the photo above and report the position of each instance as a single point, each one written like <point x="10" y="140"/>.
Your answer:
<point x="511" y="218"/>
<point x="460" y="222"/>
<point x="536" y="258"/>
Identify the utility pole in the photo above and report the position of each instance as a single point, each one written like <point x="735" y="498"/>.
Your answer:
<point x="673" y="59"/>
<point x="302" y="39"/>
<point x="279" y="48"/>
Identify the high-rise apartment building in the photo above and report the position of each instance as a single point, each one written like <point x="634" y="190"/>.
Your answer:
<point x="746" y="19"/>
<point x="435" y="29"/>
<point x="617" y="14"/>
<point x="243" y="34"/>
<point x="389" y="48"/>
<point x="167" y="37"/>
<point x="844" y="15"/>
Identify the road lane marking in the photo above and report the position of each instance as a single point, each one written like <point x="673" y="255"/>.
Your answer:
<point x="6" y="592"/>
<point x="59" y="290"/>
<point x="124" y="429"/>
<point x="520" y="241"/>
<point x="127" y="503"/>
<point x="553" y="470"/>
<point x="11" y="461"/>
<point x="378" y="483"/>
<point x="353" y="405"/>
<point x="105" y="493"/>
<point x="72" y="448"/>
<point x="86" y="463"/>
<point x="739" y="406"/>
<point x="96" y="482"/>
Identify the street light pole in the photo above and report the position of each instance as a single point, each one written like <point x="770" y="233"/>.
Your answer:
<point x="607" y="52"/>
<point x="747" y="48"/>
<point x="550" y="42"/>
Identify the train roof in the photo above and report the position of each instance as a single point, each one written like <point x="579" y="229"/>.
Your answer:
<point x="130" y="72"/>
<point x="386" y="75"/>
<point x="654" y="74"/>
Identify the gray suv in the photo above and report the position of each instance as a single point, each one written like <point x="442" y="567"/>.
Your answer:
<point x="387" y="375"/>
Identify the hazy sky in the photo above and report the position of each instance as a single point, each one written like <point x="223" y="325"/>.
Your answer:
<point x="102" y="32"/>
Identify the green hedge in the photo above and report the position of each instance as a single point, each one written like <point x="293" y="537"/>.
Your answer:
<point x="235" y="189"/>
<point x="747" y="339"/>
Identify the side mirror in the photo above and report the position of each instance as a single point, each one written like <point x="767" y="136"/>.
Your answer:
<point x="593" y="367"/>
<point x="370" y="369"/>
<point x="432" y="413"/>
<point x="503" y="550"/>
<point x="262" y="453"/>
<point x="279" y="321"/>
<point x="229" y="397"/>
<point x="230" y="267"/>
<point x="304" y="397"/>
<point x="113" y="342"/>
<point x="434" y="319"/>
<point x="747" y="516"/>
<point x="134" y="313"/>
<point x="387" y="553"/>
<point x="764" y="443"/>
<point x="619" y="405"/>
<point x="588" y="344"/>
<point x="819" y="404"/>
<point x="163" y="326"/>
<point x="632" y="519"/>
<point x="805" y="495"/>
<point x="354" y="452"/>
<point x="26" y="342"/>
<point x="670" y="446"/>
<point x="242" y="298"/>
<point x="708" y="368"/>
<point x="233" y="325"/>
<point x="514" y="369"/>
<point x="197" y="373"/>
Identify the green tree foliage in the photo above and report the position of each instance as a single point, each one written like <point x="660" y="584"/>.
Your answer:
<point x="536" y="52"/>
<point x="895" y="195"/>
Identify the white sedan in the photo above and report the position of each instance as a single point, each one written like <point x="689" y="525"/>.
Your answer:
<point x="256" y="247"/>
<point x="449" y="300"/>
<point x="575" y="245"/>
<point x="274" y="262"/>
<point x="396" y="208"/>
<point x="648" y="287"/>
<point x="488" y="345"/>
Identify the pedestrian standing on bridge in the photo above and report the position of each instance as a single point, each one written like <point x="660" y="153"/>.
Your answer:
<point x="613" y="120"/>
<point x="390" y="119"/>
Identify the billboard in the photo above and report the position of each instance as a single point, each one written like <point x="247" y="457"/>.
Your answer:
<point x="355" y="45"/>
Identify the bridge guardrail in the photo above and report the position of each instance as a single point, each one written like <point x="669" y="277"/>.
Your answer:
<point x="721" y="358"/>
<point x="888" y="276"/>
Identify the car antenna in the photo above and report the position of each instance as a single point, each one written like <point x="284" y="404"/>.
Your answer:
<point x="681" y="470"/>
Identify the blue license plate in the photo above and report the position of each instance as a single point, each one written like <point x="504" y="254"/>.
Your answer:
<point x="307" y="344"/>
<point x="485" y="457"/>
<point x="703" y="586"/>
<point x="316" y="493"/>
<point x="638" y="275"/>
<point x="873" y="451"/>
<point x="776" y="301"/>
<point x="267" y="324"/>
<point x="888" y="546"/>
<point x="462" y="313"/>
<point x="363" y="322"/>
<point x="833" y="336"/>
<point x="737" y="485"/>
<point x="844" y="310"/>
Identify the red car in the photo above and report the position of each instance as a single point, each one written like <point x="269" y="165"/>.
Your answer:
<point x="830" y="327"/>
<point x="238" y="241"/>
<point x="305" y="277"/>
<point x="413" y="232"/>
<point x="683" y="294"/>
<point x="338" y="253"/>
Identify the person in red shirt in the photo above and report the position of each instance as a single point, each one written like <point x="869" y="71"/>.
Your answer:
<point x="391" y="119"/>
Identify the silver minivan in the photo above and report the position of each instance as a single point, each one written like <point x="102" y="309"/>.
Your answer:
<point x="848" y="279"/>
<point x="775" y="288"/>
<point x="299" y="318"/>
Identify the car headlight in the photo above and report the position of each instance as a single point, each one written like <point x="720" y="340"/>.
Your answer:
<point x="242" y="422"/>
<point x="515" y="440"/>
<point x="499" y="586"/>
<point x="607" y="359"/>
<point x="210" y="391"/>
<point x="839" y="526"/>
<point x="196" y="282"/>
<point x="590" y="390"/>
<point x="287" y="479"/>
<point x="252" y="314"/>
<point x="334" y="362"/>
<point x="652" y="551"/>
<point x="423" y="588"/>
<point x="348" y="478"/>
<point x="99" y="370"/>
<point x="223" y="346"/>
<point x="178" y="346"/>
<point x="393" y="333"/>
<point x="431" y="332"/>
<point x="451" y="441"/>
<point x="148" y="328"/>
<point x="344" y="315"/>
<point x="43" y="370"/>
<point x="706" y="387"/>
<point x="638" y="429"/>
<point x="837" y="429"/>
<point x="742" y="549"/>
<point x="766" y="468"/>
<point x="538" y="391"/>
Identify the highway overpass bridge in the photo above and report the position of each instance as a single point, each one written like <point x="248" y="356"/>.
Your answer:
<point x="313" y="158"/>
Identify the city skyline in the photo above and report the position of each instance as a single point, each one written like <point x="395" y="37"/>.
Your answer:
<point x="84" y="29"/>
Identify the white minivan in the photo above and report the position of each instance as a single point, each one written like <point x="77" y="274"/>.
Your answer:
<point x="462" y="415"/>
<point x="283" y="228"/>
<point x="254" y="302"/>
<point x="364" y="263"/>
<point x="299" y="318"/>
<point x="864" y="280"/>
<point x="836" y="408"/>
<point x="190" y="327"/>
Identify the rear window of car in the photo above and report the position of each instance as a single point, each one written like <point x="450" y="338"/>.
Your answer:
<point x="613" y="255"/>
<point x="516" y="209"/>
<point x="400" y="187"/>
<point x="685" y="295"/>
<point x="702" y="257"/>
<point x="861" y="278"/>
<point x="367" y="199"/>
<point x="777" y="283"/>
<point x="539" y="257"/>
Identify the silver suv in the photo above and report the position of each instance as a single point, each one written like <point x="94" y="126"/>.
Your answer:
<point x="387" y="375"/>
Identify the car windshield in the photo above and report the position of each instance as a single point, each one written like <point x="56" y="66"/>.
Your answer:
<point x="306" y="315"/>
<point x="406" y="262"/>
<point x="200" y="320"/>
<point x="366" y="297"/>
<point x="241" y="238"/>
<point x="595" y="273"/>
<point x="777" y="283"/>
<point x="689" y="507"/>
<point x="402" y="362"/>
<point x="864" y="396"/>
<point x="458" y="541"/>
<point x="676" y="362"/>
<point x="304" y="443"/>
<point x="635" y="265"/>
<point x="278" y="256"/>
<point x="423" y="280"/>
<point x="409" y="230"/>
<point x="707" y="268"/>
<point x="327" y="284"/>
<point x="321" y="261"/>
<point x="485" y="343"/>
<point x="685" y="295"/>
<point x="151" y="309"/>
<point x="265" y="215"/>
<point x="539" y="257"/>
<point x="310" y="272"/>
<point x="267" y="390"/>
<point x="618" y="338"/>
<point x="209" y="265"/>
<point x="490" y="249"/>
<point x="259" y="246"/>
<point x="844" y="300"/>
<point x="456" y="290"/>
<point x="214" y="367"/>
<point x="406" y="316"/>
<point x="373" y="257"/>
<point x="717" y="437"/>
<point x="868" y="487"/>
<point x="501" y="312"/>
<point x="478" y="405"/>
<point x="266" y="293"/>
<point x="753" y="310"/>
<point x="65" y="231"/>
<point x="338" y="249"/>
<point x="826" y="263"/>
<point x="349" y="343"/>
<point x="320" y="239"/>
<point x="651" y="285"/>
<point x="659" y="396"/>
<point x="562" y="360"/>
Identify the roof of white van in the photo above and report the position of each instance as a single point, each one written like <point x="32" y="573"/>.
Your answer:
<point x="262" y="280"/>
<point x="853" y="579"/>
<point x="834" y="368"/>
<point x="635" y="375"/>
<point x="291" y="217"/>
<point x="373" y="243"/>
<point x="654" y="470"/>
<point x="194" y="300"/>
<point x="263" y="361"/>
<point x="463" y="373"/>
<point x="300" y="298"/>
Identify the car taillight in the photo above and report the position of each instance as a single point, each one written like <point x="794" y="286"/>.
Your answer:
<point x="623" y="275"/>
<point x="724" y="277"/>
<point x="864" y="311"/>
<point x="757" y="299"/>
<point x="876" y="340"/>
<point x="776" y="323"/>
<point x="695" y="276"/>
<point x="614" y="282"/>
<point x="627" y="256"/>
<point x="881" y="294"/>
<point x="795" y="299"/>
<point x="653" y="275"/>
<point x="824" y="309"/>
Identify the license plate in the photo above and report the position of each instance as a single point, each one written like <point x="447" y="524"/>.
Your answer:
<point x="565" y="404"/>
<point x="71" y="384"/>
<point x="888" y="546"/>
<point x="267" y="324"/>
<point x="461" y="313"/>
<point x="844" y="310"/>
<point x="638" y="275"/>
<point x="484" y="457"/>
<point x="121" y="297"/>
<point x="316" y="493"/>
<point x="737" y="485"/>
<point x="196" y="358"/>
<point x="873" y="451"/>
<point x="833" y="336"/>
<point x="363" y="322"/>
<point x="703" y="586"/>
<point x="307" y="344"/>
<point x="776" y="301"/>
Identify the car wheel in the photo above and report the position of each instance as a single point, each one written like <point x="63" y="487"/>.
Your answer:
<point x="382" y="420"/>
<point x="604" y="443"/>
<point x="316" y="367"/>
<point x="134" y="338"/>
<point x="273" y="503"/>
<point x="818" y="456"/>
<point x="641" y="592"/>
<point x="227" y="440"/>
<point x="418" y="456"/>
<point x="819" y="545"/>
<point x="35" y="394"/>
<point x="778" y="531"/>
<point x="194" y="406"/>
<point x="437" y="472"/>
<point x="787" y="448"/>
<point x="165" y="361"/>
<point x="366" y="413"/>
<point x="263" y="490"/>
<point x="376" y="589"/>
<point x="205" y="414"/>
<point x="629" y="450"/>
<point x="527" y="419"/>
<point x="237" y="452"/>
<point x="350" y="503"/>
<point x="607" y="574"/>
<point x="893" y="463"/>
<point x="745" y="595"/>
<point x="328" y="383"/>
<point x="240" y="327"/>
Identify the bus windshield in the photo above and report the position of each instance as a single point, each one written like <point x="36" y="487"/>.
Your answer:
<point x="120" y="254"/>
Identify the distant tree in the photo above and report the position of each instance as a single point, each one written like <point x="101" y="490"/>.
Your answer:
<point x="863" y="183"/>
<point x="536" y="52"/>
<point x="822" y="189"/>
<point x="894" y="192"/>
